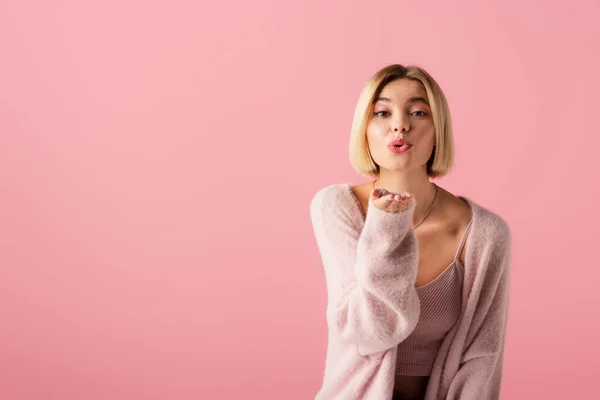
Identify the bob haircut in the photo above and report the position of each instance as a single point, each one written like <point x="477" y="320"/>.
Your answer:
<point x="441" y="161"/>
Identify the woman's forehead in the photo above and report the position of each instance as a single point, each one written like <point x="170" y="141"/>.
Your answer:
<point x="403" y="88"/>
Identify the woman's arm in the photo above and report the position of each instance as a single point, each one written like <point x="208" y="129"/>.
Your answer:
<point x="480" y="372"/>
<point x="370" y="274"/>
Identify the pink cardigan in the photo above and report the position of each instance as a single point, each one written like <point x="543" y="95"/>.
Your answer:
<point x="372" y="305"/>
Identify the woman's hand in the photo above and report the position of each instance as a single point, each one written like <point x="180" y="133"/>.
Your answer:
<point x="391" y="202"/>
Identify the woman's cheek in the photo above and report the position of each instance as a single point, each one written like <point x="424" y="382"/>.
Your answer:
<point x="375" y="129"/>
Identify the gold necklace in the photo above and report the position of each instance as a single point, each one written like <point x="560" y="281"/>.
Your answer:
<point x="428" y="210"/>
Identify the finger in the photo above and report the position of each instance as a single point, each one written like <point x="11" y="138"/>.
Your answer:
<point x="385" y="201"/>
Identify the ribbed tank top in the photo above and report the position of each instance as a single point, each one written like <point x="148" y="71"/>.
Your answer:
<point x="440" y="308"/>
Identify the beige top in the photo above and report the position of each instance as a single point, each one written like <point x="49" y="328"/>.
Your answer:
<point x="440" y="309"/>
<point x="370" y="267"/>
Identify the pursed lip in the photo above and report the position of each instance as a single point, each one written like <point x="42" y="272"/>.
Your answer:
<point x="399" y="142"/>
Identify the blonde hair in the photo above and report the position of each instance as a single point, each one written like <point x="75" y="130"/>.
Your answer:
<point x="441" y="161"/>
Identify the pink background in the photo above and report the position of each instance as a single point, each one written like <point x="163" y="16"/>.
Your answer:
<point x="157" y="160"/>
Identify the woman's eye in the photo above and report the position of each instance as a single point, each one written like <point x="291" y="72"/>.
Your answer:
<point x="386" y="113"/>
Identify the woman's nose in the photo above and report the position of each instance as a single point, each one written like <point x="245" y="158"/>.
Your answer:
<point x="400" y="124"/>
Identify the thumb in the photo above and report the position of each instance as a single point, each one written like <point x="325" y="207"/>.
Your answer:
<point x="377" y="193"/>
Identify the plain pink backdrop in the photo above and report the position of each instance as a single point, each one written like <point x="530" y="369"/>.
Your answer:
<point x="157" y="159"/>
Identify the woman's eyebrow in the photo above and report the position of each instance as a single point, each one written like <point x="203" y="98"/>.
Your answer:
<point x="415" y="99"/>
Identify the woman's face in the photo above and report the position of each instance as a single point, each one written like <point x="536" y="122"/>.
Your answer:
<point x="401" y="111"/>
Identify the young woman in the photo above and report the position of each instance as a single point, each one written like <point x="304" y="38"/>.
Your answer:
<point x="417" y="278"/>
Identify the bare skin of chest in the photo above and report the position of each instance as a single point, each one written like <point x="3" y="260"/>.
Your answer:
<point x="439" y="237"/>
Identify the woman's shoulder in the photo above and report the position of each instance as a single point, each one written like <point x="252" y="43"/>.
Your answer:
<point x="490" y="224"/>
<point x="491" y="239"/>
<point x="336" y="198"/>
<point x="334" y="194"/>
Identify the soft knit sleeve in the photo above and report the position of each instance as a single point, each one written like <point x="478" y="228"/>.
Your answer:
<point x="480" y="372"/>
<point x="370" y="272"/>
